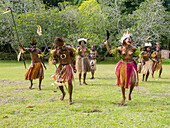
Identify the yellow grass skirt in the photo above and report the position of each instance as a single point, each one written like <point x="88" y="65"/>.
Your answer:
<point x="34" y="71"/>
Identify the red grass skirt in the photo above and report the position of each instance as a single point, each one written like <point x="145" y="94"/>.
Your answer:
<point x="126" y="74"/>
<point x="66" y="73"/>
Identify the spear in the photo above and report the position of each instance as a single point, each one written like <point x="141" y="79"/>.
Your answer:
<point x="39" y="32"/>
<point x="10" y="10"/>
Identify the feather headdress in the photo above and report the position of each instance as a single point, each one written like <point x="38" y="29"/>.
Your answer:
<point x="125" y="35"/>
<point x="33" y="41"/>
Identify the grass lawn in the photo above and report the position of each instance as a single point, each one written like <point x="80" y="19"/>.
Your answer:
<point x="95" y="105"/>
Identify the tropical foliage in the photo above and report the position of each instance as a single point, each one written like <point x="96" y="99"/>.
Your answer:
<point x="73" y="19"/>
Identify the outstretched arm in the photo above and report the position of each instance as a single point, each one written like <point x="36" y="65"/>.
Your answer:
<point x="24" y="49"/>
<point x="107" y="47"/>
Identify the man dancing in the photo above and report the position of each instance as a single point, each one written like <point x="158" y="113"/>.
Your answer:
<point x="66" y="68"/>
<point x="36" y="69"/>
<point x="93" y="54"/>
<point x="157" y="62"/>
<point x="126" y="69"/>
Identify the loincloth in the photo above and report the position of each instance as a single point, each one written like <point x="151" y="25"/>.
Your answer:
<point x="93" y="64"/>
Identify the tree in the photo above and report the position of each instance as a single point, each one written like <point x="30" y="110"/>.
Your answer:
<point x="150" y="20"/>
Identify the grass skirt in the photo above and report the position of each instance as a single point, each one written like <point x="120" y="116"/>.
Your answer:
<point x="66" y="71"/>
<point x="34" y="71"/>
<point x="83" y="65"/>
<point x="156" y="65"/>
<point x="126" y="74"/>
<point x="93" y="65"/>
<point x="146" y="67"/>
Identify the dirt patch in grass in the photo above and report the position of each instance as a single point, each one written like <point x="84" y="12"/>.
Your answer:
<point x="11" y="83"/>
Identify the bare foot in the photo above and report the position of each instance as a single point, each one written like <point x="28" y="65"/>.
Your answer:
<point x="146" y="81"/>
<point x="62" y="97"/>
<point x="129" y="97"/>
<point x="85" y="83"/>
<point x="159" y="76"/>
<point x="30" y="87"/>
<point x="70" y="102"/>
<point x="79" y="83"/>
<point x="123" y="101"/>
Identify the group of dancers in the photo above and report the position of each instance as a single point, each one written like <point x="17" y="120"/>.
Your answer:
<point x="68" y="63"/>
<point x="83" y="60"/>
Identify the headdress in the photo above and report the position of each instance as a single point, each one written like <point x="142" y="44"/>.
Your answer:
<point x="82" y="39"/>
<point x="125" y="35"/>
<point x="33" y="41"/>
<point x="58" y="40"/>
<point x="147" y="45"/>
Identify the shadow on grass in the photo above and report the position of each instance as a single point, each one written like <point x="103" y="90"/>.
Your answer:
<point x="99" y="84"/>
<point x="159" y="82"/>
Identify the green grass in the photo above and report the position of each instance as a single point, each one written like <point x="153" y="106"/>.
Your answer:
<point x="95" y="105"/>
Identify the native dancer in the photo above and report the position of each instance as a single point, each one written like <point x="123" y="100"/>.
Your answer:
<point x="93" y="54"/>
<point x="145" y="65"/>
<point x="82" y="62"/>
<point x="66" y="68"/>
<point x="126" y="69"/>
<point x="36" y="69"/>
<point x="156" y="55"/>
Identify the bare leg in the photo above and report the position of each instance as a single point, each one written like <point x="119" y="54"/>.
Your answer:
<point x="63" y="93"/>
<point x="131" y="89"/>
<point x="70" y="89"/>
<point x="123" y="94"/>
<point x="30" y="87"/>
<point x="79" y="78"/>
<point x="84" y="79"/>
<point x="152" y="74"/>
<point x="146" y="76"/>
<point x="160" y="72"/>
<point x="40" y="79"/>
<point x="143" y="77"/>
<point x="92" y="73"/>
<point x="153" y="69"/>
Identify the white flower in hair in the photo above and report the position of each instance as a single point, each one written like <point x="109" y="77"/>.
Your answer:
<point x="125" y="35"/>
<point x="82" y="39"/>
<point x="148" y="45"/>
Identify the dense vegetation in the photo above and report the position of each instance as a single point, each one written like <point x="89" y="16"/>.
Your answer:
<point x="73" y="19"/>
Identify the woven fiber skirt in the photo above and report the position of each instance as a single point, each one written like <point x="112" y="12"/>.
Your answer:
<point x="34" y="71"/>
<point x="83" y="65"/>
<point x="126" y="74"/>
<point x="146" y="67"/>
